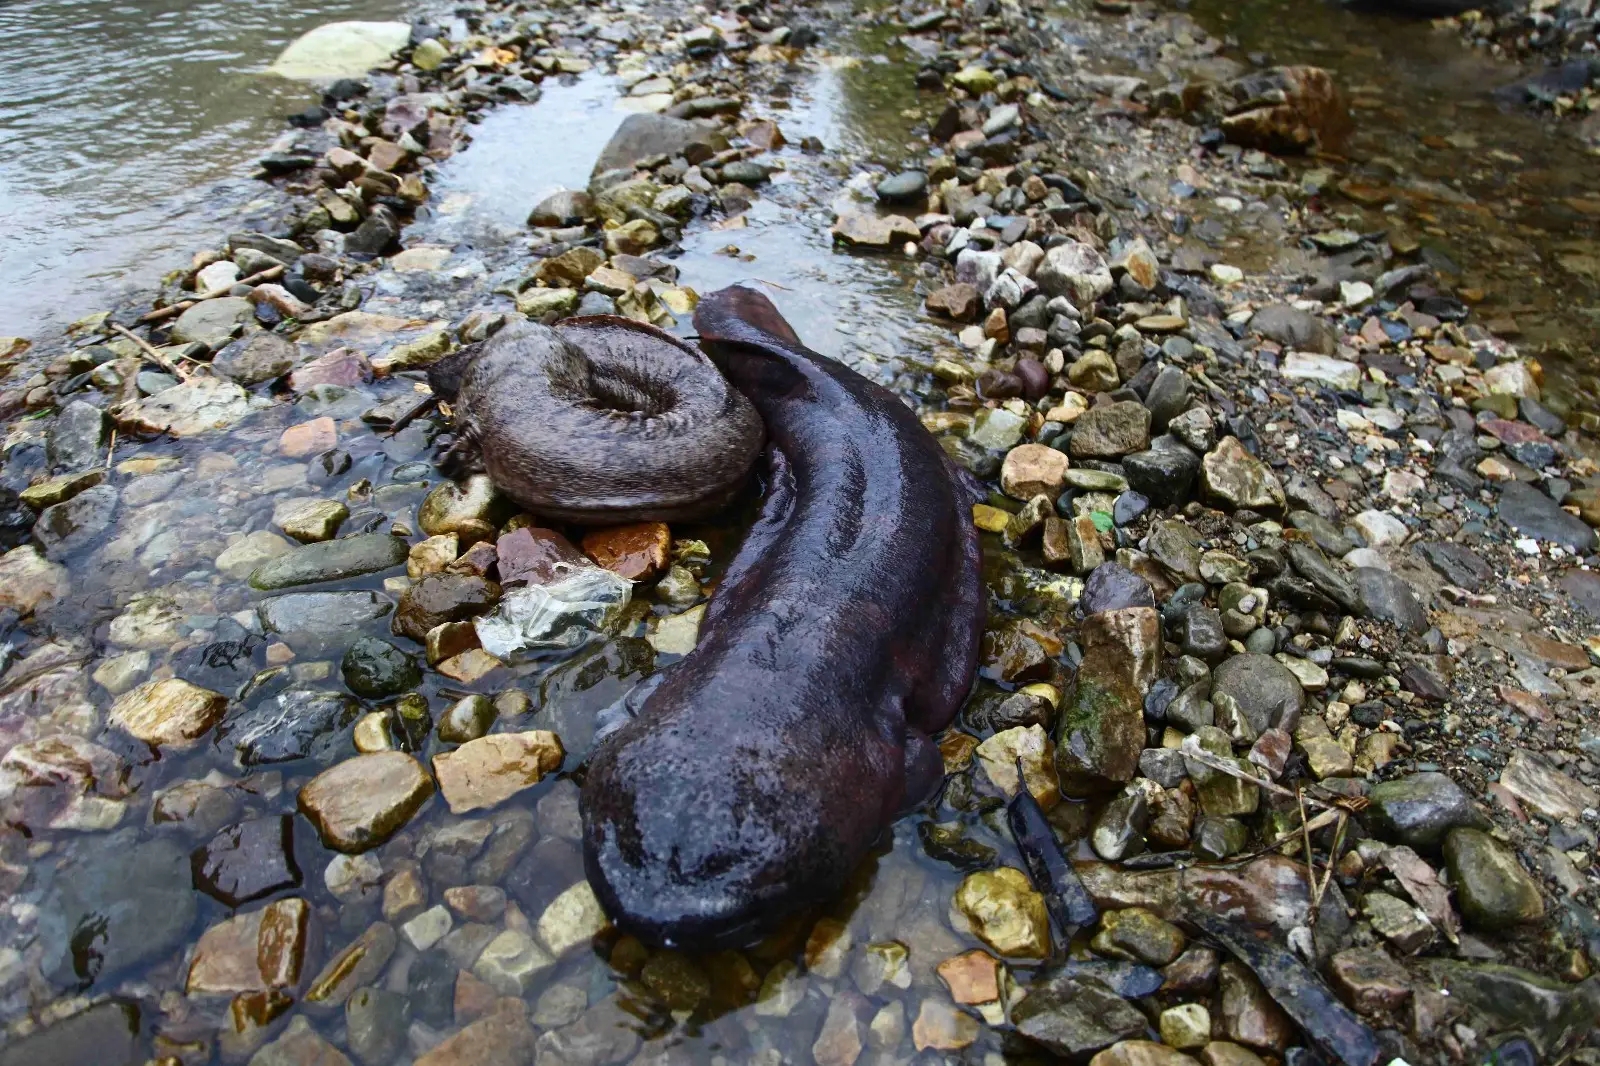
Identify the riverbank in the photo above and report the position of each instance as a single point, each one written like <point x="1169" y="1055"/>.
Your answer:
<point x="1273" y="538"/>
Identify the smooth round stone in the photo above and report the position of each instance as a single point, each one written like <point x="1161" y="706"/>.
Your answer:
<point x="375" y="668"/>
<point x="467" y="719"/>
<point x="1261" y="642"/>
<point x="899" y="188"/>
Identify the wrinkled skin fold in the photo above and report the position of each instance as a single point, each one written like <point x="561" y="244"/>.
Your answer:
<point x="601" y="420"/>
<point x="760" y="769"/>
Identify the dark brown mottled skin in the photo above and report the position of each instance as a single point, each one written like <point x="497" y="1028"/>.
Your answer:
<point x="761" y="768"/>
<point x="602" y="420"/>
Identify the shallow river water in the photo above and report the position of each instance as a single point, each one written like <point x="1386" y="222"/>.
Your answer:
<point x="118" y="119"/>
<point x="115" y="210"/>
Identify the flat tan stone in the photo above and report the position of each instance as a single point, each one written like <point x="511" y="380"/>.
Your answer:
<point x="361" y="802"/>
<point x="170" y="713"/>
<point x="490" y="770"/>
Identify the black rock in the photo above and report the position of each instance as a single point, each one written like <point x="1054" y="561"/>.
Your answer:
<point x="16" y="520"/>
<point x="1168" y="396"/>
<point x="1158" y="699"/>
<point x="297" y="724"/>
<point x="248" y="860"/>
<point x="431" y="988"/>
<point x="1164" y="473"/>
<point x="375" y="668"/>
<point x="1111" y="587"/>
<point x="1332" y="1027"/>
<point x="1533" y="514"/>
<point x="1457" y="564"/>
<point x="1199" y="633"/>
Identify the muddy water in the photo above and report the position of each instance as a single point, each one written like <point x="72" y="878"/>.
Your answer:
<point x="1503" y="201"/>
<point x="118" y="120"/>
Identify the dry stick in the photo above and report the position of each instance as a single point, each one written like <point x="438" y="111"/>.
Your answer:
<point x="1326" y="818"/>
<point x="166" y="364"/>
<point x="1205" y="758"/>
<point x="112" y="449"/>
<point x="410" y="415"/>
<point x="183" y="305"/>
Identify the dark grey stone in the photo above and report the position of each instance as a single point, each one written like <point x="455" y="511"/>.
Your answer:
<point x="1295" y="329"/>
<point x="331" y="560"/>
<point x="77" y="438"/>
<point x="1111" y="587"/>
<point x="70" y="525"/>
<point x="298" y="724"/>
<point x="1168" y="395"/>
<point x="1388" y="598"/>
<point x="1164" y="473"/>
<point x="116" y="907"/>
<point x="1457" y="564"/>
<point x="1266" y="694"/>
<point x="1419" y="809"/>
<point x="1533" y="514"/>
<point x="316" y="621"/>
<point x="107" y="1034"/>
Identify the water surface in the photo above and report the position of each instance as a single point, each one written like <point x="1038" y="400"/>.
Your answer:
<point x="119" y="120"/>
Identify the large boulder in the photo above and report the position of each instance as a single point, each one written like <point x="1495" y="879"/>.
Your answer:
<point x="642" y="136"/>
<point x="337" y="50"/>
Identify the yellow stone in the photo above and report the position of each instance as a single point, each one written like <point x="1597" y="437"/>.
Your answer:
<point x="488" y="771"/>
<point x="170" y="713"/>
<point x="998" y="756"/>
<point x="989" y="519"/>
<point x="1005" y="912"/>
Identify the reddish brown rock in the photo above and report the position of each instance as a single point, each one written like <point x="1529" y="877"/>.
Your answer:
<point x="1287" y="109"/>
<point x="503" y="1038"/>
<point x="531" y="556"/>
<point x="342" y="366"/>
<point x="637" y="552"/>
<point x="960" y="301"/>
<point x="309" y="438"/>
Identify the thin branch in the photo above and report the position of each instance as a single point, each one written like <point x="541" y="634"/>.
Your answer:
<point x="166" y="364"/>
<point x="183" y="305"/>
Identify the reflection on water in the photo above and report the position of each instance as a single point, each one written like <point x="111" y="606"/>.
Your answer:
<point x="520" y="154"/>
<point x="1502" y="200"/>
<point x="117" y="117"/>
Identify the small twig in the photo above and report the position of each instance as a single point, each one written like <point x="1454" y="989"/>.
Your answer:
<point x="183" y="305"/>
<point x="112" y="448"/>
<point x="1205" y="758"/>
<point x="1326" y="818"/>
<point x="1311" y="867"/>
<point x="166" y="364"/>
<point x="411" y="414"/>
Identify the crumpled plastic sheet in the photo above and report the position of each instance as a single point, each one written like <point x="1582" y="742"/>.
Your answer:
<point x="565" y="614"/>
